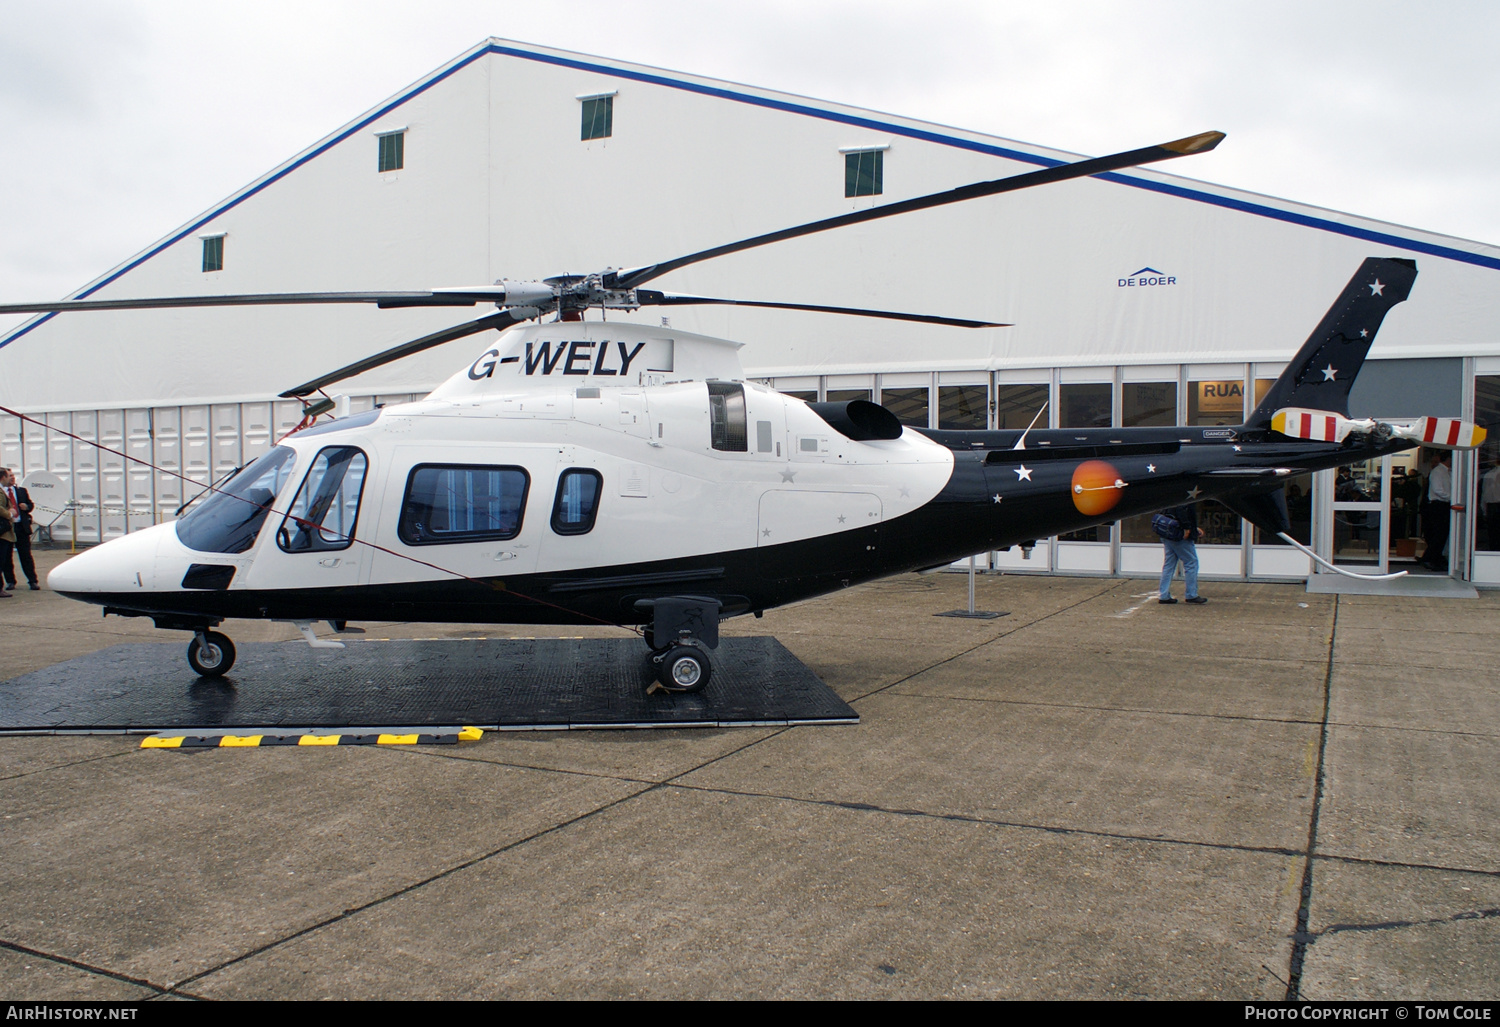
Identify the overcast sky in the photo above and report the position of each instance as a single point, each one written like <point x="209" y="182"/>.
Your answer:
<point x="122" y="120"/>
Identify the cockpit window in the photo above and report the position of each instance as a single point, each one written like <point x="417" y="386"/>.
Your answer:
<point x="228" y="520"/>
<point x="323" y="514"/>
<point x="729" y="425"/>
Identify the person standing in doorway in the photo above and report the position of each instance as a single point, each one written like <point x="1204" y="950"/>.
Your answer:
<point x="1183" y="550"/>
<point x="1489" y="502"/>
<point x="1436" y="515"/>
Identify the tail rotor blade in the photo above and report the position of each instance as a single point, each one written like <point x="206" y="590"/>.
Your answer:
<point x="499" y="321"/>
<point x="652" y="298"/>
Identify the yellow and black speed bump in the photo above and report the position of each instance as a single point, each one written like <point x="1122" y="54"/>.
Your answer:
<point x="226" y="741"/>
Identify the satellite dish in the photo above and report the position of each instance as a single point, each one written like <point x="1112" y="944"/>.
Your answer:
<point x="48" y="491"/>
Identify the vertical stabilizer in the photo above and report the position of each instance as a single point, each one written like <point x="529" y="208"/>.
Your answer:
<point x="1321" y="374"/>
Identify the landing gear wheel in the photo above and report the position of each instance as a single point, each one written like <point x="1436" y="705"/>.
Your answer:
<point x="684" y="669"/>
<point x="211" y="654"/>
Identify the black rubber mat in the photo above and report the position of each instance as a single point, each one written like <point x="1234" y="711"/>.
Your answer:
<point x="495" y="684"/>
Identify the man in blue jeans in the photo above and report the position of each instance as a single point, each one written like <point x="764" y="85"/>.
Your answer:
<point x="1182" y="550"/>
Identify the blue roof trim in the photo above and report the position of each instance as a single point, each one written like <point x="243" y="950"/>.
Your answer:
<point x="235" y="201"/>
<point x="1182" y="192"/>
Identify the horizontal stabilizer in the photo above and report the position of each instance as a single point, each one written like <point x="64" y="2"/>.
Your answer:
<point x="1252" y="472"/>
<point x="1328" y="426"/>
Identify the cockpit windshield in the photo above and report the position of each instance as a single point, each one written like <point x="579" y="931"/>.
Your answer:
<point x="228" y="520"/>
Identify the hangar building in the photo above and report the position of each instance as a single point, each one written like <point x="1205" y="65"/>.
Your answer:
<point x="1137" y="298"/>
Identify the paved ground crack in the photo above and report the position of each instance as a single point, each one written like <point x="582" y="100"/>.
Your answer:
<point x="988" y="641"/>
<point x="71" y="763"/>
<point x="52" y="957"/>
<point x="970" y="818"/>
<point x="1301" y="939"/>
<point x="450" y="871"/>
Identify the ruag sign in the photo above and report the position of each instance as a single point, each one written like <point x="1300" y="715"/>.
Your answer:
<point x="1218" y="399"/>
<point x="1147" y="278"/>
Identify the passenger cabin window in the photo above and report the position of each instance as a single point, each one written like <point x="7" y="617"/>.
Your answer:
<point x="228" y="520"/>
<point x="323" y="514"/>
<point x="729" y="426"/>
<point x="448" y="503"/>
<point x="577" y="502"/>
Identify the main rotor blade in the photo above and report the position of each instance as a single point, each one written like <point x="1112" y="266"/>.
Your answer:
<point x="499" y="321"/>
<point x="428" y="298"/>
<point x="652" y="298"/>
<point x="1201" y="143"/>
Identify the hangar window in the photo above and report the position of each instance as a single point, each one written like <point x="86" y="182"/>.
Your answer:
<point x="392" y="156"/>
<point x="327" y="505"/>
<point x="577" y="502"/>
<point x="963" y="407"/>
<point x="909" y="405"/>
<point x="864" y="172"/>
<point x="598" y="116"/>
<point x="729" y="424"/>
<point x="213" y="252"/>
<point x="1020" y="406"/>
<point x="447" y="503"/>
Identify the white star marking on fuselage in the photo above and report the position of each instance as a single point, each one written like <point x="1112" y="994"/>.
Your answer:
<point x="1195" y="493"/>
<point x="1330" y="373"/>
<point x="1023" y="473"/>
<point x="997" y="497"/>
<point x="1150" y="468"/>
<point x="1364" y="333"/>
<point x="1377" y="289"/>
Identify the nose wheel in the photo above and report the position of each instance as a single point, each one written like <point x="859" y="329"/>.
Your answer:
<point x="210" y="654"/>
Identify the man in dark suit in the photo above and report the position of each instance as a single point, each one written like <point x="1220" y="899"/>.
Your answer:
<point x="20" y="501"/>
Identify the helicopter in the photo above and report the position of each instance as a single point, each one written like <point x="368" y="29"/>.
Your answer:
<point x="578" y="472"/>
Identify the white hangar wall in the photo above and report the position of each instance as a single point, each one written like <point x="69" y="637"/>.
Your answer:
<point x="497" y="183"/>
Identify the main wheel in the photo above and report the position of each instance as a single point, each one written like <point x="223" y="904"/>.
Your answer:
<point x="213" y="657"/>
<point x="684" y="669"/>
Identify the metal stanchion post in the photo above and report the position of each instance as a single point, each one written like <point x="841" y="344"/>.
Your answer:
<point x="972" y="613"/>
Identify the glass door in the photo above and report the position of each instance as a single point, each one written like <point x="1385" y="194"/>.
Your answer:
<point x="1361" y="514"/>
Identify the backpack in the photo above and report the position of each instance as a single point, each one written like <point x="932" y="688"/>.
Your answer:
<point x="1166" y="526"/>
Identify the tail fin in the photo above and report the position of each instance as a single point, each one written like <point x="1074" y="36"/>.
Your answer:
<point x="1321" y="374"/>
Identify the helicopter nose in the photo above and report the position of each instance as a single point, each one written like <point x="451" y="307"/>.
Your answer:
<point x="125" y="564"/>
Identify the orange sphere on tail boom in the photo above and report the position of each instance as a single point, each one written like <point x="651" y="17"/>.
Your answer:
<point x="1096" y="487"/>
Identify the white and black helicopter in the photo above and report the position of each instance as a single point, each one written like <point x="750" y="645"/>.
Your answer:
<point x="601" y="471"/>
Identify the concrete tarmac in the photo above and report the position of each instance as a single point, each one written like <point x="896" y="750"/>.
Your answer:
<point x="1094" y="797"/>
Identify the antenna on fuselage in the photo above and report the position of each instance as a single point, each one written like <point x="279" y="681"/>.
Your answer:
<point x="1021" y="442"/>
